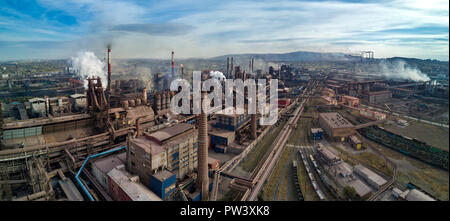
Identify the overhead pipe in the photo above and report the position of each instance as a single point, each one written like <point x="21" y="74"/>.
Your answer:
<point x="84" y="164"/>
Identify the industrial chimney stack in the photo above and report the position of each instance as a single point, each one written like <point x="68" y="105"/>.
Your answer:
<point x="228" y="67"/>
<point x="108" y="88"/>
<point x="232" y="68"/>
<point x="202" y="167"/>
<point x="173" y="66"/>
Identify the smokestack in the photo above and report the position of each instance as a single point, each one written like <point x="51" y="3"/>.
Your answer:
<point x="47" y="105"/>
<point x="252" y="65"/>
<point x="158" y="102"/>
<point x="228" y="66"/>
<point x="202" y="153"/>
<point x="253" y="125"/>
<point x="182" y="70"/>
<point x="144" y="96"/>
<point x="232" y="68"/>
<point x="108" y="88"/>
<point x="138" y="128"/>
<point x="173" y="66"/>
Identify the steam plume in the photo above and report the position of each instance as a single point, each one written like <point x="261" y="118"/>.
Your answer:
<point x="399" y="69"/>
<point x="217" y="75"/>
<point x="86" y="64"/>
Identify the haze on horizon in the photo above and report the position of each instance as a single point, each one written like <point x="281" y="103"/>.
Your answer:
<point x="54" y="29"/>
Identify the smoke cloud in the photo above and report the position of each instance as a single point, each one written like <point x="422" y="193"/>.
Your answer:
<point x="86" y="65"/>
<point x="217" y="75"/>
<point x="399" y="69"/>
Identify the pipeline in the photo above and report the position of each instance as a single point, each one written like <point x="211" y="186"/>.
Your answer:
<point x="84" y="164"/>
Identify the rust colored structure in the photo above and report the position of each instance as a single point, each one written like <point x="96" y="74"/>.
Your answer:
<point x="202" y="177"/>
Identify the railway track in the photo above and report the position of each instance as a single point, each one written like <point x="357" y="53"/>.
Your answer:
<point x="265" y="170"/>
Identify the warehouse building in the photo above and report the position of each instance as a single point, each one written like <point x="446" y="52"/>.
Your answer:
<point x="379" y="96"/>
<point x="125" y="187"/>
<point x="101" y="167"/>
<point x="336" y="126"/>
<point x="174" y="148"/>
<point x="361" y="189"/>
<point x="369" y="176"/>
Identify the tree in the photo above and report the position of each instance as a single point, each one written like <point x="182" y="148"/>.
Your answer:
<point x="350" y="193"/>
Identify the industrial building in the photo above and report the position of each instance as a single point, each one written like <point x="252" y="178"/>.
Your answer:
<point x="369" y="176"/>
<point x="327" y="156"/>
<point x="316" y="133"/>
<point x="361" y="189"/>
<point x="231" y="120"/>
<point x="350" y="101"/>
<point x="126" y="187"/>
<point x="101" y="167"/>
<point x="336" y="126"/>
<point x="355" y="142"/>
<point x="379" y="96"/>
<point x="174" y="148"/>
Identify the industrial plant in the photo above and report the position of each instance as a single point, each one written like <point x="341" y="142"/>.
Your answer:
<point x="343" y="132"/>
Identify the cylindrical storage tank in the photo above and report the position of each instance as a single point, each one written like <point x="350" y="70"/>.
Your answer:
<point x="125" y="104"/>
<point x="132" y="103"/>
<point x="158" y="102"/>
<point x="163" y="101"/>
<point x="138" y="102"/>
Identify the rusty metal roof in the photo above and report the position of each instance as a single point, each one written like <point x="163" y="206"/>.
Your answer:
<point x="335" y="120"/>
<point x="167" y="133"/>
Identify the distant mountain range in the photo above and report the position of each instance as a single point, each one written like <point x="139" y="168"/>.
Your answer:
<point x="293" y="56"/>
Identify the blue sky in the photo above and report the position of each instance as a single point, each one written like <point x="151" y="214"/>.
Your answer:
<point x="150" y="29"/>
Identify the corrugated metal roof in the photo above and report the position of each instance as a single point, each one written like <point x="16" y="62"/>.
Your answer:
<point x="370" y="175"/>
<point x="335" y="120"/>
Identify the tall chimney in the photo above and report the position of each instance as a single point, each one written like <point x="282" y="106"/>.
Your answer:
<point x="182" y="70"/>
<point x="252" y="65"/>
<point x="232" y="68"/>
<point x="228" y="67"/>
<point x="108" y="88"/>
<point x="202" y="166"/>
<point x="173" y="66"/>
<point x="144" y="96"/>
<point x="47" y="106"/>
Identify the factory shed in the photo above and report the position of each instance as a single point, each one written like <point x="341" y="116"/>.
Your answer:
<point x="361" y="189"/>
<point x="163" y="183"/>
<point x="125" y="187"/>
<point x="355" y="142"/>
<point x="415" y="195"/>
<point x="369" y="176"/>
<point x="336" y="126"/>
<point x="101" y="167"/>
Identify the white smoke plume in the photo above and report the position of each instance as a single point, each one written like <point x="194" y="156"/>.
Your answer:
<point x="217" y="75"/>
<point x="86" y="64"/>
<point x="399" y="69"/>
